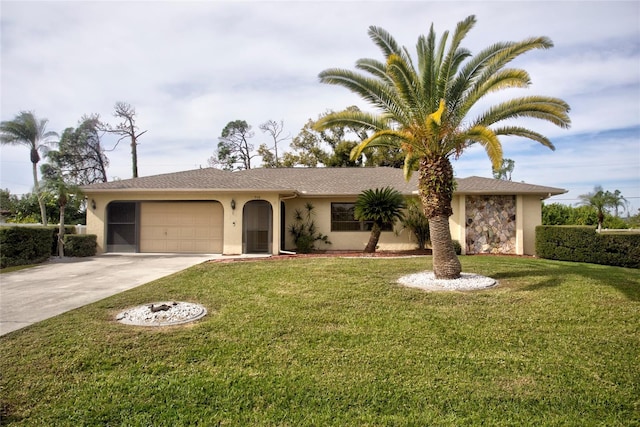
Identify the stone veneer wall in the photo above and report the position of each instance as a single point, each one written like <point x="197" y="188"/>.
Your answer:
<point x="490" y="224"/>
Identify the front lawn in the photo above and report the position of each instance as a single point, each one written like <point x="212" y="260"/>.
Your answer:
<point x="335" y="342"/>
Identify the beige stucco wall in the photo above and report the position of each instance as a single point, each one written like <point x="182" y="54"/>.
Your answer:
<point x="528" y="216"/>
<point x="456" y="221"/>
<point x="343" y="240"/>
<point x="532" y="217"/>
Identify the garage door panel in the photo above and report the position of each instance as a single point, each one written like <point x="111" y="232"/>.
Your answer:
<point x="181" y="227"/>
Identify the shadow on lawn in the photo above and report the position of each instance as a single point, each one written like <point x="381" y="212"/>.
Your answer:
<point x="558" y="274"/>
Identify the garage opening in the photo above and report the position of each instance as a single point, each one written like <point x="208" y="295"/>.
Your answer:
<point x="181" y="227"/>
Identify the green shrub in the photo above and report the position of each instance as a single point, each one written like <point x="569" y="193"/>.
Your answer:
<point x="24" y="245"/>
<point x="584" y="244"/>
<point x="80" y="245"/>
<point x="457" y="247"/>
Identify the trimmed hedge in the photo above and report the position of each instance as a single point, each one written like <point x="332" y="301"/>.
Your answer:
<point x="80" y="245"/>
<point x="24" y="245"/>
<point x="584" y="244"/>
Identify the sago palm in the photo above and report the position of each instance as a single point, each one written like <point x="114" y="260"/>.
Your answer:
<point x="425" y="108"/>
<point x="27" y="130"/>
<point x="381" y="206"/>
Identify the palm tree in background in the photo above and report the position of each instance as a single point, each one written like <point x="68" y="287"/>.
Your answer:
<point x="425" y="111"/>
<point x="602" y="200"/>
<point x="382" y="206"/>
<point x="27" y="130"/>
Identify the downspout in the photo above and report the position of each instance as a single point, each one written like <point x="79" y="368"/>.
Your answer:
<point x="295" y="194"/>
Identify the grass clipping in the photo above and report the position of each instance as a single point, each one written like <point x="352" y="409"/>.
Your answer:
<point x="466" y="282"/>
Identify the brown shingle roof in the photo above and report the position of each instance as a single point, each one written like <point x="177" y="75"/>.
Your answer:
<point x="334" y="181"/>
<point x="208" y="179"/>
<point x="479" y="185"/>
<point x="310" y="182"/>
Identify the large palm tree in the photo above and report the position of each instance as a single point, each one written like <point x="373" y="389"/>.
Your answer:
<point x="381" y="206"/>
<point x="27" y="130"/>
<point x="424" y="109"/>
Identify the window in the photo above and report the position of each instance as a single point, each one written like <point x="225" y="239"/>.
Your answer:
<point x="343" y="219"/>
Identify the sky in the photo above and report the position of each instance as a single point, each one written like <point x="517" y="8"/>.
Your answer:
<point x="191" y="67"/>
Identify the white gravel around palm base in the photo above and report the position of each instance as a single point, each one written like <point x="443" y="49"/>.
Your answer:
<point x="467" y="282"/>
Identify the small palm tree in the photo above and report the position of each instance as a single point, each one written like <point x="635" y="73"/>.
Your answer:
<point x="27" y="130"/>
<point x="57" y="183"/>
<point x="424" y="110"/>
<point x="601" y="200"/>
<point x="382" y="206"/>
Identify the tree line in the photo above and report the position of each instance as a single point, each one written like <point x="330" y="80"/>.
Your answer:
<point x="330" y="147"/>
<point x="74" y="158"/>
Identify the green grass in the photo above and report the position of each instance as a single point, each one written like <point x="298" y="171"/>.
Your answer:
<point x="16" y="268"/>
<point x="334" y="342"/>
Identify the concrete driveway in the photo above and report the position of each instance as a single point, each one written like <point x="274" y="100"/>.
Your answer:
<point x="34" y="294"/>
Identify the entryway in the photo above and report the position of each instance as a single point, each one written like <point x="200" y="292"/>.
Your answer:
<point x="257" y="227"/>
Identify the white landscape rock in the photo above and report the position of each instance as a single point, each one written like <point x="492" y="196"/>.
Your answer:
<point x="427" y="281"/>
<point x="163" y="314"/>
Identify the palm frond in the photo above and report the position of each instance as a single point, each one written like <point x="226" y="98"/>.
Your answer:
<point x="410" y="164"/>
<point x="384" y="137"/>
<point x="407" y="84"/>
<point x="376" y="68"/>
<point x="489" y="141"/>
<point x="455" y="55"/>
<point x="351" y="117"/>
<point x="553" y="110"/>
<point x="525" y="133"/>
<point x="384" y="41"/>
<point x="376" y="92"/>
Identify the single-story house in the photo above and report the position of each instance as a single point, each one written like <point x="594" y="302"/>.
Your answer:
<point x="249" y="211"/>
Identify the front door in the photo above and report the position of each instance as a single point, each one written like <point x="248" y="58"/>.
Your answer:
<point x="257" y="220"/>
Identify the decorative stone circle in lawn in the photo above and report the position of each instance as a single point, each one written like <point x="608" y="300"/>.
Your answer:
<point x="466" y="282"/>
<point x="165" y="313"/>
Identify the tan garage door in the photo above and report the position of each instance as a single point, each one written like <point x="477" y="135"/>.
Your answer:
<point x="183" y="227"/>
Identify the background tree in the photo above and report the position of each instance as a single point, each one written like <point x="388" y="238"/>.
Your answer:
<point x="8" y="203"/>
<point x="385" y="156"/>
<point x="59" y="183"/>
<point x="80" y="152"/>
<point x="26" y="208"/>
<point x="306" y="149"/>
<point x="382" y="206"/>
<point x="559" y="214"/>
<point x="234" y="150"/>
<point x="505" y="170"/>
<point x="26" y="129"/>
<point x="601" y="201"/>
<point x="127" y="129"/>
<point x="617" y="201"/>
<point x="425" y="107"/>
<point x="270" y="158"/>
<point x="330" y="147"/>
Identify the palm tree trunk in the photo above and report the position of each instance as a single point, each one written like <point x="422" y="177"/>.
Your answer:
<point x="36" y="189"/>
<point x="61" y="233"/>
<point x="373" y="239"/>
<point x="436" y="185"/>
<point x="446" y="264"/>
